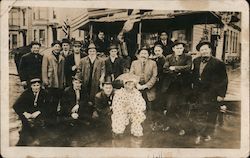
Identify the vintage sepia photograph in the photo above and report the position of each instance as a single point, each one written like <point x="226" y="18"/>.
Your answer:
<point x="123" y="78"/>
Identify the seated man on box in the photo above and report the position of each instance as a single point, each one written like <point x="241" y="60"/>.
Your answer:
<point x="73" y="103"/>
<point x="31" y="109"/>
<point x="103" y="102"/>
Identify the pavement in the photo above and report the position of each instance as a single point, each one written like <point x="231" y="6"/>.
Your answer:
<point x="226" y="136"/>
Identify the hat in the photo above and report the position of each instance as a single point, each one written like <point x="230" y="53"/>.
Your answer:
<point x="143" y="48"/>
<point x="77" y="42"/>
<point x="176" y="42"/>
<point x="35" y="43"/>
<point x="128" y="77"/>
<point x="91" y="46"/>
<point x="203" y="42"/>
<point x="77" y="77"/>
<point x="35" y="80"/>
<point x="56" y="42"/>
<point x="65" y="40"/>
<point x="107" y="80"/>
<point x="112" y="46"/>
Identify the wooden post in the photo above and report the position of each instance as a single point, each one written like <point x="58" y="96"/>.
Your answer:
<point x="90" y="32"/>
<point x="139" y="40"/>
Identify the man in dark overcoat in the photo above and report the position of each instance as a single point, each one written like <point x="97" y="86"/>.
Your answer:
<point x="165" y="42"/>
<point x="31" y="64"/>
<point x="210" y="85"/>
<point x="176" y="85"/>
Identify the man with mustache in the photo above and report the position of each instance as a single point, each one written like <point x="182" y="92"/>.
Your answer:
<point x="146" y="69"/>
<point x="210" y="85"/>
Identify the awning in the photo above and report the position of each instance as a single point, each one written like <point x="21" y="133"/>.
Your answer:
<point x="153" y="21"/>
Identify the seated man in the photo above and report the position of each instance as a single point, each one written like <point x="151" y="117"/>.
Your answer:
<point x="73" y="103"/>
<point x="30" y="107"/>
<point x="128" y="105"/>
<point x="103" y="102"/>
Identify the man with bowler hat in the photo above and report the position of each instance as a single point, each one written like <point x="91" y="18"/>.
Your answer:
<point x="210" y="85"/>
<point x="65" y="47"/>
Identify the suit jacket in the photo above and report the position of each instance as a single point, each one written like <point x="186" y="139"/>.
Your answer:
<point x="117" y="68"/>
<point x="69" y="63"/>
<point x="25" y="103"/>
<point x="167" y="50"/>
<point x="98" y="71"/>
<point x="68" y="101"/>
<point x="150" y="75"/>
<point x="179" y="79"/>
<point x="212" y="82"/>
<point x="30" y="66"/>
<point x="53" y="71"/>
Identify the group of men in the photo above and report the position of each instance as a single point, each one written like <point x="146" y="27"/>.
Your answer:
<point x="108" y="83"/>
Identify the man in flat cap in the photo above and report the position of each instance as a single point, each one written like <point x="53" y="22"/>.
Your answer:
<point x="177" y="85"/>
<point x="72" y="62"/>
<point x="210" y="85"/>
<point x="65" y="47"/>
<point x="31" y="107"/>
<point x="31" y="64"/>
<point x="53" y="74"/>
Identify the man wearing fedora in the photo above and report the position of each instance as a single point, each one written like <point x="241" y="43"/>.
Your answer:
<point x="114" y="64"/>
<point x="31" y="64"/>
<point x="176" y="85"/>
<point x="31" y="107"/>
<point x="210" y="85"/>
<point x="53" y="75"/>
<point x="65" y="47"/>
<point x="72" y="62"/>
<point x="92" y="69"/>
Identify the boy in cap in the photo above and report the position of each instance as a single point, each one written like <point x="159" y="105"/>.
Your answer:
<point x="72" y="62"/>
<point x="128" y="106"/>
<point x="210" y="85"/>
<point x="65" y="47"/>
<point x="114" y="65"/>
<point x="31" y="108"/>
<point x="176" y="85"/>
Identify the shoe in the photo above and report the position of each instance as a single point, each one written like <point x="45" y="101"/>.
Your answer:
<point x="198" y="140"/>
<point x="182" y="132"/>
<point x="208" y="138"/>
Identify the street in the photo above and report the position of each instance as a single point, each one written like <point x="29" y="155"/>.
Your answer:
<point x="227" y="136"/>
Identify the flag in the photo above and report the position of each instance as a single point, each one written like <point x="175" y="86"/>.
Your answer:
<point x="65" y="28"/>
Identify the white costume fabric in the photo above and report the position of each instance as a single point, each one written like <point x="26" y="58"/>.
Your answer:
<point x="128" y="106"/>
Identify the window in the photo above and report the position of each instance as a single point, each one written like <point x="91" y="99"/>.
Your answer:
<point x="13" y="17"/>
<point x="14" y="41"/>
<point x="42" y="37"/>
<point x="24" y="22"/>
<point x="34" y="35"/>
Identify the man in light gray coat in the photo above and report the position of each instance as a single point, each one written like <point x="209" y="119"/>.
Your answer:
<point x="53" y="75"/>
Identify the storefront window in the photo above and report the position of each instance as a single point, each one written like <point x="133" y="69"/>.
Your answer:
<point x="14" y="41"/>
